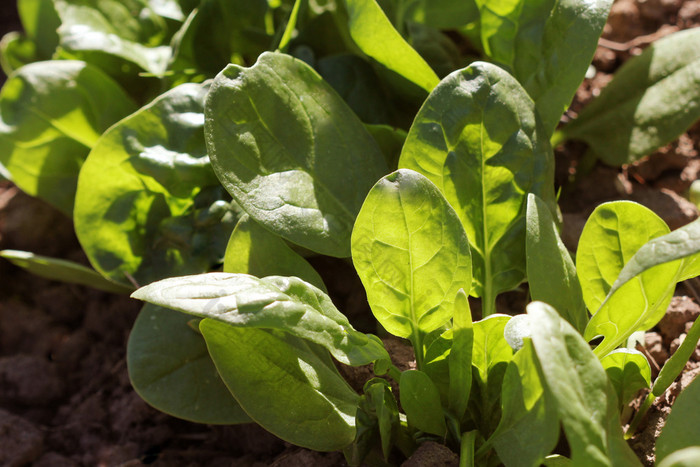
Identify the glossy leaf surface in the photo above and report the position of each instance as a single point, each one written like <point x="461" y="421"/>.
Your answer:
<point x="478" y="139"/>
<point x="652" y="100"/>
<point x="275" y="302"/>
<point x="420" y="400"/>
<point x="628" y="371"/>
<point x="291" y="152"/>
<point x="611" y="236"/>
<point x="411" y="254"/>
<point x="51" y="114"/>
<point x="311" y="406"/>
<point x="170" y="368"/>
<point x="585" y="400"/>
<point x="682" y="427"/>
<point x="551" y="273"/>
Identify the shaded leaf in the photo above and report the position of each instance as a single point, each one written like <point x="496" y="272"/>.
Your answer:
<point x="420" y="400"/>
<point x="628" y="371"/>
<point x="682" y="427"/>
<point x="460" y="357"/>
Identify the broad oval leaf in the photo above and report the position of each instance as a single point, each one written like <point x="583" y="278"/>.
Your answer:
<point x="291" y="152"/>
<point x="420" y="400"/>
<point x="275" y="302"/>
<point x="375" y="36"/>
<point x="585" y="399"/>
<point x="652" y="99"/>
<point x="490" y="347"/>
<point x="682" y="427"/>
<point x="63" y="270"/>
<point x="170" y="368"/>
<point x="148" y="203"/>
<point x="642" y="291"/>
<point x="628" y="371"/>
<point x="284" y="384"/>
<point x="612" y="235"/>
<point x="411" y="254"/>
<point x="256" y="251"/>
<point x="477" y="137"/>
<point x="51" y="115"/>
<point x="551" y="273"/>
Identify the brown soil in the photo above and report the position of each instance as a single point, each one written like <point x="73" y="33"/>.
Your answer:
<point x="65" y="397"/>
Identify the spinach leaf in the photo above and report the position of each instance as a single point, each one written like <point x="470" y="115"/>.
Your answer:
<point x="642" y="291"/>
<point x="170" y="368"/>
<point x="256" y="251"/>
<point x="51" y="114"/>
<point x="628" y="371"/>
<point x="276" y="151"/>
<point x="284" y="303"/>
<point x="62" y="270"/>
<point x="460" y="358"/>
<point x="412" y="256"/>
<point x="612" y="235"/>
<point x="551" y="273"/>
<point x="311" y="405"/>
<point x="585" y="399"/>
<point x="420" y="400"/>
<point x="682" y="427"/>
<point x="442" y="14"/>
<point x="378" y="414"/>
<point x="148" y="203"/>
<point x="39" y="40"/>
<point x="477" y="137"/>
<point x="652" y="99"/>
<point x="686" y="457"/>
<point x="375" y="36"/>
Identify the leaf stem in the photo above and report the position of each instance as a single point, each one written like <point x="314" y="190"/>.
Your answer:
<point x="640" y="415"/>
<point x="291" y="26"/>
<point x="466" y="449"/>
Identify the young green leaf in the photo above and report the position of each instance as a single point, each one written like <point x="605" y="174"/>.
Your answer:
<point x="529" y="427"/>
<point x="275" y="302"/>
<point x="411" y="254"/>
<point x="285" y="384"/>
<point x="377" y="416"/>
<point x="148" y="202"/>
<point x="612" y="235"/>
<point x="272" y="144"/>
<point x="170" y="368"/>
<point x="420" y="400"/>
<point x="51" y="114"/>
<point x="477" y="137"/>
<point x="460" y="358"/>
<point x="628" y="371"/>
<point x="652" y="99"/>
<point x="682" y="427"/>
<point x="62" y="270"/>
<point x="551" y="273"/>
<point x="676" y="364"/>
<point x="686" y="457"/>
<point x="642" y="291"/>
<point x="375" y="36"/>
<point x="39" y="39"/>
<point x="256" y="251"/>
<point x="585" y="399"/>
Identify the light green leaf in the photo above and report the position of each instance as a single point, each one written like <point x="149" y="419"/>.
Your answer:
<point x="275" y="302"/>
<point x="420" y="400"/>
<point x="148" y="203"/>
<point x="291" y="152"/>
<point x="375" y="36"/>
<point x="585" y="399"/>
<point x="529" y="427"/>
<point x="478" y="139"/>
<point x="39" y="40"/>
<point x="642" y="291"/>
<point x="551" y="273"/>
<point x="652" y="99"/>
<point x="256" y="251"/>
<point x="62" y="270"/>
<point x="687" y="457"/>
<point x="170" y="368"/>
<point x="460" y="357"/>
<point x="612" y="235"/>
<point x="51" y="114"/>
<point x="628" y="371"/>
<point x="411" y="254"/>
<point x="682" y="427"/>
<point x="284" y="384"/>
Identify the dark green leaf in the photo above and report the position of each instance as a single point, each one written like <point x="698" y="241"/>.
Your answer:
<point x="551" y="273"/>
<point x="170" y="368"/>
<point x="682" y="427"/>
<point x="284" y="384"/>
<point x="628" y="371"/>
<point x="652" y="99"/>
<point x="275" y="302"/>
<point x="148" y="203"/>
<point x="478" y="139"/>
<point x="291" y="152"/>
<point x="412" y="255"/>
<point x="51" y="114"/>
<point x="420" y="400"/>
<point x="443" y="14"/>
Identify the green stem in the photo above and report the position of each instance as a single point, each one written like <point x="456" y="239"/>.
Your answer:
<point x="291" y="26"/>
<point x="640" y="415"/>
<point x="417" y="341"/>
<point x="466" y="449"/>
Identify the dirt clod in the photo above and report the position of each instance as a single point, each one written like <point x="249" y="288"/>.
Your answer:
<point x="21" y="442"/>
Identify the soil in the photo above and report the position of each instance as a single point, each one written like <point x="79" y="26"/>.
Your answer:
<point x="65" y="397"/>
